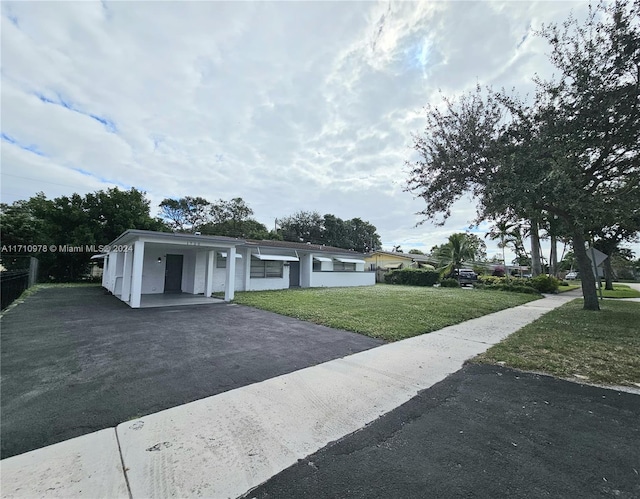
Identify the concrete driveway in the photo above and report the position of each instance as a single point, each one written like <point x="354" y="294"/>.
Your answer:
<point x="75" y="360"/>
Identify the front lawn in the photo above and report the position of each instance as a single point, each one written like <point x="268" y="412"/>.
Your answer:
<point x="601" y="347"/>
<point x="620" y="291"/>
<point x="570" y="287"/>
<point x="384" y="311"/>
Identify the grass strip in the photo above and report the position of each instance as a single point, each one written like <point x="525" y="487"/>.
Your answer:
<point x="601" y="347"/>
<point x="620" y="291"/>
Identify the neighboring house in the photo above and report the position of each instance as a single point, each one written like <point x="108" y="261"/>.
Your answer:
<point x="143" y="262"/>
<point x="383" y="261"/>
<point x="389" y="260"/>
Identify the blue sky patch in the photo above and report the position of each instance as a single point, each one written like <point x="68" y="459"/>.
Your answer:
<point x="109" y="125"/>
<point x="27" y="147"/>
<point x="104" y="180"/>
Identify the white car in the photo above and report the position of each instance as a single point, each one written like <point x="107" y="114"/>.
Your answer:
<point x="571" y="276"/>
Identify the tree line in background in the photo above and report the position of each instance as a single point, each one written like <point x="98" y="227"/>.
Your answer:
<point x="234" y="219"/>
<point x="569" y="161"/>
<point x="96" y="219"/>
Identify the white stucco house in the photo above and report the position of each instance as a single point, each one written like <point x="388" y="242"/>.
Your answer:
<point x="140" y="263"/>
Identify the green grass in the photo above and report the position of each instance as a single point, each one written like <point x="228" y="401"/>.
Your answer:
<point x="570" y="287"/>
<point x="620" y="291"/>
<point x="383" y="311"/>
<point x="601" y="347"/>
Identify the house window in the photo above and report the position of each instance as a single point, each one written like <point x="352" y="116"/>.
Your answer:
<point x="221" y="261"/>
<point x="317" y="266"/>
<point x="344" y="267"/>
<point x="265" y="268"/>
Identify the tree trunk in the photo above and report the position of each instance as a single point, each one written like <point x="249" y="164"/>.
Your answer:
<point x="553" y="257"/>
<point x="585" y="267"/>
<point x="608" y="274"/>
<point x="536" y="265"/>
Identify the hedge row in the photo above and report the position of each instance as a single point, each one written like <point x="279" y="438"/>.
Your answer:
<point x="425" y="277"/>
<point x="412" y="277"/>
<point x="541" y="283"/>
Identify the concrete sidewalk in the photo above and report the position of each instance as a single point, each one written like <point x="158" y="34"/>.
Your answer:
<point x="225" y="445"/>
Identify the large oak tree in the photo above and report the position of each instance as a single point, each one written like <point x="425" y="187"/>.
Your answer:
<point x="572" y="154"/>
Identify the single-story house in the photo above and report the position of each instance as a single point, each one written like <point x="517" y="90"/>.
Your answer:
<point x="389" y="260"/>
<point x="141" y="262"/>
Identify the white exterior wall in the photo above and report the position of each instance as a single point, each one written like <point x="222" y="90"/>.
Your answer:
<point x="219" y="275"/>
<point x="105" y="272"/>
<point x="119" y="273"/>
<point x="113" y="260"/>
<point x="200" y="272"/>
<point x="188" y="271"/>
<point x="340" y="279"/>
<point x="152" y="271"/>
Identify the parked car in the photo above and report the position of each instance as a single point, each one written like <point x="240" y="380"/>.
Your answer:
<point x="572" y="276"/>
<point x="467" y="276"/>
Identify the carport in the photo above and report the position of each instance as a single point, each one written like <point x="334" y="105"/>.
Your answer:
<point x="147" y="269"/>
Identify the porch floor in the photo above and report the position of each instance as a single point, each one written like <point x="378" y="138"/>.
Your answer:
<point x="172" y="300"/>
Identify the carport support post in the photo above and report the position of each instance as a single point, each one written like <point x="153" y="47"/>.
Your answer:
<point x="208" y="285"/>
<point x="105" y="272"/>
<point x="136" y="274"/>
<point x="126" y="276"/>
<point x="230" y="281"/>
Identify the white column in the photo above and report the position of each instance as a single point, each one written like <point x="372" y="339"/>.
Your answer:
<point x="126" y="275"/>
<point x="105" y="272"/>
<point x="136" y="274"/>
<point x="230" y="280"/>
<point x="113" y="265"/>
<point x="246" y="255"/>
<point x="208" y="280"/>
<point x="306" y="270"/>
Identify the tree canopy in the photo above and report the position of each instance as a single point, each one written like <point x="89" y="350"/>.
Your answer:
<point x="231" y="218"/>
<point x="77" y="221"/>
<point x="310" y="226"/>
<point x="571" y="154"/>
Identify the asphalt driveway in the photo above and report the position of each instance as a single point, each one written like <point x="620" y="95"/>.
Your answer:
<point x="75" y="360"/>
<point x="484" y="432"/>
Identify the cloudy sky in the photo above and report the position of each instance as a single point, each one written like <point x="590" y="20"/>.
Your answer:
<point x="289" y="105"/>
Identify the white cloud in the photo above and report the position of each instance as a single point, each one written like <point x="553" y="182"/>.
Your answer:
<point x="290" y="105"/>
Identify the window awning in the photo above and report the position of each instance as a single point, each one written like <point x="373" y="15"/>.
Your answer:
<point x="349" y="260"/>
<point x="223" y="254"/>
<point x="322" y="259"/>
<point x="97" y="257"/>
<point x="392" y="266"/>
<point x="279" y="258"/>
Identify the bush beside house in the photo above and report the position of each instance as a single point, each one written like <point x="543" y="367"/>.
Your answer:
<point x="412" y="277"/>
<point x="538" y="284"/>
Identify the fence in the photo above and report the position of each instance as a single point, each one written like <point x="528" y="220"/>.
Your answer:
<point x="12" y="284"/>
<point x="18" y="273"/>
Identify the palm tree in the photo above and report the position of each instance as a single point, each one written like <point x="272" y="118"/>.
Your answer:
<point x="503" y="231"/>
<point x="452" y="254"/>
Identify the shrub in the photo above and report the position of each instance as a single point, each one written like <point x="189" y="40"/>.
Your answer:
<point x="491" y="280"/>
<point x="499" y="272"/>
<point x="545" y="283"/>
<point x="412" y="277"/>
<point x="514" y="288"/>
<point x="515" y="284"/>
<point x="449" y="283"/>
